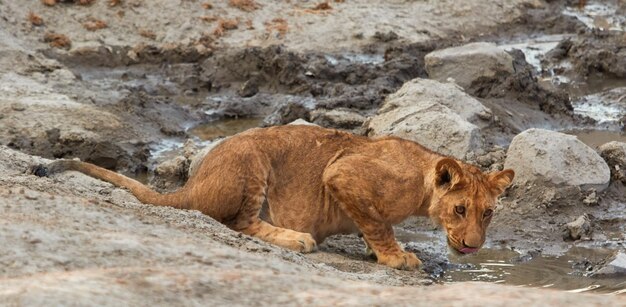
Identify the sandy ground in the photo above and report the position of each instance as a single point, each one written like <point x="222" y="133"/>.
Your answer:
<point x="73" y="240"/>
<point x="346" y="26"/>
<point x="122" y="93"/>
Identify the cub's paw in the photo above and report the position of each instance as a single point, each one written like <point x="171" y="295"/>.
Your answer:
<point x="299" y="242"/>
<point x="401" y="261"/>
<point x="307" y="243"/>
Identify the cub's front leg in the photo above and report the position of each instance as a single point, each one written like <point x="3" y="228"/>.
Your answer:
<point x="382" y="241"/>
<point x="359" y="197"/>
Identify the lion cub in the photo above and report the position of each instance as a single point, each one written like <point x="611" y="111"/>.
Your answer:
<point x="320" y="182"/>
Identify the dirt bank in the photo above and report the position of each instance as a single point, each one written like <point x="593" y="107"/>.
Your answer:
<point x="72" y="236"/>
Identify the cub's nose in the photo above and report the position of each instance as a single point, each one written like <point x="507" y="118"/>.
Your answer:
<point x="470" y="245"/>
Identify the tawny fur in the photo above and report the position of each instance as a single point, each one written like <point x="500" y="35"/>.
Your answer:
<point x="319" y="182"/>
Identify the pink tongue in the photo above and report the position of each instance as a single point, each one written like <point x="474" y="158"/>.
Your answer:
<point x="468" y="250"/>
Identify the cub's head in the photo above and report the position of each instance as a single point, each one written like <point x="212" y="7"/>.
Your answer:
<point x="463" y="202"/>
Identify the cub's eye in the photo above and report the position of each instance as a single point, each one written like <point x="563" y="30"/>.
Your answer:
<point x="487" y="213"/>
<point x="459" y="210"/>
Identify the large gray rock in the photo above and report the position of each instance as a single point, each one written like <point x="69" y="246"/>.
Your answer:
<point x="547" y="157"/>
<point x="468" y="63"/>
<point x="437" y="115"/>
<point x="442" y="130"/>
<point x="614" y="153"/>
<point x="426" y="94"/>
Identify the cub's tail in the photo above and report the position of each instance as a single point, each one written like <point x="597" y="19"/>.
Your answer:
<point x="142" y="192"/>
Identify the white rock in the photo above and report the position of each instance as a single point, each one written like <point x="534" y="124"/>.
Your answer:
<point x="466" y="64"/>
<point x="439" y="116"/>
<point x="442" y="131"/>
<point x="301" y="121"/>
<point x="426" y="93"/>
<point x="547" y="157"/>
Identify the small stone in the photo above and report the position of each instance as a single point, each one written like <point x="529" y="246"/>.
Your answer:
<point x="426" y="282"/>
<point x="18" y="107"/>
<point x="591" y="199"/>
<point x="301" y="121"/>
<point x="484" y="161"/>
<point x="31" y="195"/>
<point x="615" y="264"/>
<point x="485" y="115"/>
<point x="249" y="88"/>
<point x="386" y="37"/>
<point x="40" y="170"/>
<point x="201" y="49"/>
<point x="578" y="229"/>
<point x="614" y="153"/>
<point x="286" y="113"/>
<point x="131" y="54"/>
<point x="189" y="148"/>
<point x="337" y="118"/>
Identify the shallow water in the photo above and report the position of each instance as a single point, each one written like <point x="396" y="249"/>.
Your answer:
<point x="600" y="15"/>
<point x="595" y="138"/>
<point x="535" y="48"/>
<point x="569" y="270"/>
<point x="566" y="272"/>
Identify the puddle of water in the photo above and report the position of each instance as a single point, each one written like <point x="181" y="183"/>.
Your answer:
<point x="166" y="146"/>
<point x="567" y="269"/>
<point x="131" y="78"/>
<point x="599" y="112"/>
<point x="358" y="58"/>
<point x="598" y="15"/>
<point x="409" y="236"/>
<point x="595" y="138"/>
<point x="566" y="272"/>
<point x="535" y="48"/>
<point x="224" y="127"/>
<point x="593" y="85"/>
<point x="604" y="107"/>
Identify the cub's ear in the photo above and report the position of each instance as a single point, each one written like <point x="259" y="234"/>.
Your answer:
<point x="501" y="180"/>
<point x="447" y="173"/>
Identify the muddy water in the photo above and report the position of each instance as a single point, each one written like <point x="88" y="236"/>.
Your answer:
<point x="569" y="271"/>
<point x="595" y="138"/>
<point x="600" y="15"/>
<point x="566" y="272"/>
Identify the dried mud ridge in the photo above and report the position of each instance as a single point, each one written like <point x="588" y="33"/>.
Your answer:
<point x="267" y="82"/>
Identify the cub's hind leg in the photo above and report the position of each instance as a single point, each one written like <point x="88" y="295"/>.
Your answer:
<point x="249" y="222"/>
<point x="231" y="185"/>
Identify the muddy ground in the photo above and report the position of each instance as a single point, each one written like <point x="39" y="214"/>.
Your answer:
<point x="138" y="79"/>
